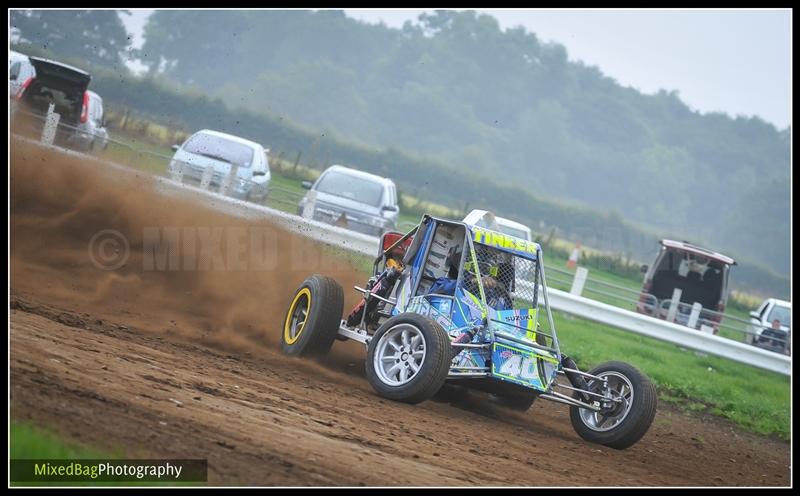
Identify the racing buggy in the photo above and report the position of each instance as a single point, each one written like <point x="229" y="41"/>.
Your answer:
<point x="451" y="302"/>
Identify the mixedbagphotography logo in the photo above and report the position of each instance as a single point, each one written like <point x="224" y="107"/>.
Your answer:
<point x="109" y="470"/>
<point x="109" y="249"/>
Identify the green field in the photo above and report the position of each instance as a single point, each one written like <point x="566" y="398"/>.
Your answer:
<point x="31" y="442"/>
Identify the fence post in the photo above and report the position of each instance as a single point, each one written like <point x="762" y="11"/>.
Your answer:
<point x="673" y="306"/>
<point x="308" y="207"/>
<point x="50" y="125"/>
<point x="696" y="308"/>
<point x="208" y="173"/>
<point x="297" y="162"/>
<point x="225" y="187"/>
<point x="176" y="174"/>
<point x="579" y="280"/>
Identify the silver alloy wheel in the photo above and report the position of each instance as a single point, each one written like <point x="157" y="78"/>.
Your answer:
<point x="299" y="317"/>
<point x="620" y="387"/>
<point x="399" y="355"/>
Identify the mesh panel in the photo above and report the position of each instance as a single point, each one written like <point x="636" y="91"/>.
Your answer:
<point x="508" y="281"/>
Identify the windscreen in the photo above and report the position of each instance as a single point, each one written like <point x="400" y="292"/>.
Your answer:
<point x="219" y="148"/>
<point x="352" y="187"/>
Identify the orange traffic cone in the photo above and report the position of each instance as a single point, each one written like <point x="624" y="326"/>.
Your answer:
<point x="573" y="258"/>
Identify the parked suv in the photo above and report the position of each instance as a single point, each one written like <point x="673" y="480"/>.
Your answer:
<point x="80" y="109"/>
<point x="353" y="199"/>
<point x="38" y="82"/>
<point x="208" y="157"/>
<point x="770" y="326"/>
<point x="701" y="274"/>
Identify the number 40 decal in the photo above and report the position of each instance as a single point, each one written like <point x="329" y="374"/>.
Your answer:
<point x="519" y="367"/>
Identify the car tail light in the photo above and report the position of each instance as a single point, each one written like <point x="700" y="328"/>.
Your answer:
<point x="85" y="108"/>
<point x="23" y="88"/>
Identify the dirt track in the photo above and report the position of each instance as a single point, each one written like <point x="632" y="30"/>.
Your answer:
<point x="185" y="364"/>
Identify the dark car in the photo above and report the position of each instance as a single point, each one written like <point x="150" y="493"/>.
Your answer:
<point x="64" y="86"/>
<point x="701" y="275"/>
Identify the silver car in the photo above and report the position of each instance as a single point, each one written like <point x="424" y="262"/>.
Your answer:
<point x="223" y="162"/>
<point x="353" y="199"/>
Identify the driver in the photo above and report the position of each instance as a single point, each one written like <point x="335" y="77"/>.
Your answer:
<point x="493" y="270"/>
<point x="490" y="266"/>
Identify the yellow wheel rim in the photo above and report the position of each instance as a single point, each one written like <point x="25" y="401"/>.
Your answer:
<point x="297" y="316"/>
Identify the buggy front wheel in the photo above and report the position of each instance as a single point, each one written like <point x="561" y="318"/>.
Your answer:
<point x="623" y="424"/>
<point x="408" y="358"/>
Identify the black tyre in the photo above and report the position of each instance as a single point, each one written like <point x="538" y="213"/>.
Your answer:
<point x="630" y="420"/>
<point x="313" y="318"/>
<point x="520" y="402"/>
<point x="408" y="358"/>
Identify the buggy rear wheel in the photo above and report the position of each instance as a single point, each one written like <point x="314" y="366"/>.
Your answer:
<point x="313" y="318"/>
<point x="408" y="358"/>
<point x="623" y="425"/>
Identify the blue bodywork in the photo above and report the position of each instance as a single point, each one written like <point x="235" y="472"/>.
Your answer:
<point x="505" y="345"/>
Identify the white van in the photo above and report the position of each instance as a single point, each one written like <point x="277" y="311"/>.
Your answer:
<point x="484" y="218"/>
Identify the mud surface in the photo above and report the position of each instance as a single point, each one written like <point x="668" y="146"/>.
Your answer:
<point x="184" y="363"/>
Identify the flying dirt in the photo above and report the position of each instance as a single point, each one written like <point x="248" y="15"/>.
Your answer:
<point x="148" y="323"/>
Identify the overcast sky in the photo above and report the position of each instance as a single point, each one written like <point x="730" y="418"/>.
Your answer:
<point x="735" y="61"/>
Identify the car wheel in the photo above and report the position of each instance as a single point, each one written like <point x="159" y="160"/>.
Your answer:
<point x="313" y="318"/>
<point x="626" y="423"/>
<point x="408" y="358"/>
